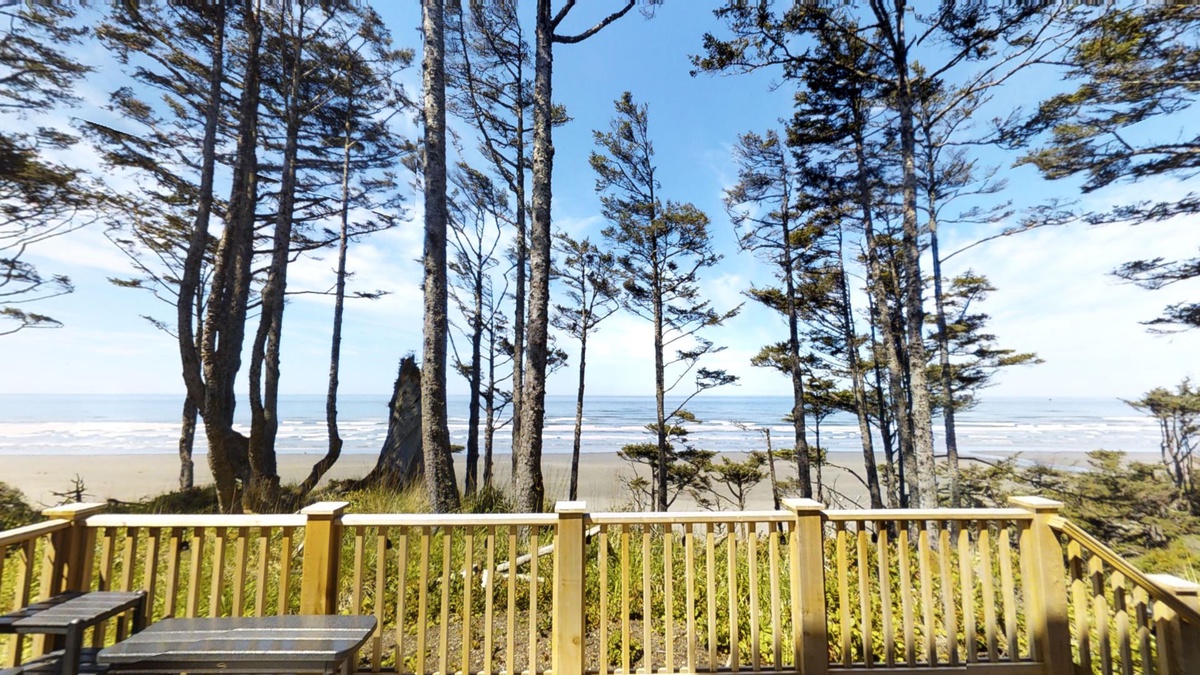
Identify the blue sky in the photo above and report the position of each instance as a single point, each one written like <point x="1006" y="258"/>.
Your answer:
<point x="1054" y="296"/>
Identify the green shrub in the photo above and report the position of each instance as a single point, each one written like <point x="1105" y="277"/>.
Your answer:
<point x="14" y="510"/>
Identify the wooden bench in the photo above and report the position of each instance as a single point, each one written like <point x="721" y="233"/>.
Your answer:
<point x="68" y="615"/>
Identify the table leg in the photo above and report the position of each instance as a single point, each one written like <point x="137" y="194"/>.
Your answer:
<point x="73" y="645"/>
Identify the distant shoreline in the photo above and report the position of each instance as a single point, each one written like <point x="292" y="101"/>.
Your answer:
<point x="130" y="477"/>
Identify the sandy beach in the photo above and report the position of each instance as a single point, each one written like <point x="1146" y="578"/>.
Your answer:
<point x="132" y="477"/>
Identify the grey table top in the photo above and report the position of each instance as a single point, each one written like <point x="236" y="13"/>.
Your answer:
<point x="273" y="644"/>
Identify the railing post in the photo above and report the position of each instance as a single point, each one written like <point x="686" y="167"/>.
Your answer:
<point x="810" y="631"/>
<point x="569" y="547"/>
<point x="1047" y="588"/>
<point x="322" y="555"/>
<point x="68" y="555"/>
<point x="1178" y="641"/>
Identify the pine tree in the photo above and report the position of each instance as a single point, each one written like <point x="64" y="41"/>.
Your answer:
<point x="479" y="210"/>
<point x="765" y="212"/>
<point x="661" y="248"/>
<point x="589" y="276"/>
<point x="440" y="483"/>
<point x="39" y="198"/>
<point x="1136" y="67"/>
<point x="488" y="74"/>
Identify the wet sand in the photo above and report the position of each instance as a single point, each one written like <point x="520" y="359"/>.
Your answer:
<point x="602" y="475"/>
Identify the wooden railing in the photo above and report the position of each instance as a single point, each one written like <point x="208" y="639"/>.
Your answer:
<point x="1124" y="621"/>
<point x="804" y="590"/>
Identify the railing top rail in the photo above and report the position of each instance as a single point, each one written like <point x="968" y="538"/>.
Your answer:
<point x="448" y="520"/>
<point x="927" y="514"/>
<point x="686" y="517"/>
<point x="23" y="534"/>
<point x="196" y="520"/>
<point x="1114" y="560"/>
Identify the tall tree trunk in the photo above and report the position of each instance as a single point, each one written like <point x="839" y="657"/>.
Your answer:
<point x="663" y="465"/>
<point x="890" y="479"/>
<point x="187" y="439"/>
<point x="489" y="400"/>
<point x="771" y="467"/>
<point x="947" y="379"/>
<point x="573" y="492"/>
<point x="472" y="473"/>
<point x="263" y="491"/>
<point x="522" y="261"/>
<point x="440" y="482"/>
<point x="922" y="421"/>
<point x="335" y="348"/>
<point x="527" y="476"/>
<point x="875" y="286"/>
<point x="891" y="484"/>
<point x="857" y="384"/>
<point x="225" y="320"/>
<point x="800" y="440"/>
<point x="190" y="291"/>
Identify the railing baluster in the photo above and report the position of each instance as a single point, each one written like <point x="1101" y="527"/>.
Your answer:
<point x="690" y="559"/>
<point x="865" y="593"/>
<point x="422" y="624"/>
<point x="1100" y="614"/>
<point x="1079" y="604"/>
<point x="669" y="596"/>
<point x="965" y="578"/>
<point x="647" y="622"/>
<point x="174" y="551"/>
<point x="904" y="550"/>
<point x="949" y="620"/>
<point x="381" y="544"/>
<point x="444" y="634"/>
<point x="776" y="614"/>
<point x="926" y="565"/>
<point x="883" y="556"/>
<point x="401" y="607"/>
<point x="1029" y="601"/>
<point x="1121" y="610"/>
<point x="511" y="662"/>
<point x="625" y="591"/>
<point x="150" y="571"/>
<point x="285" y="569"/>
<point x="1008" y="591"/>
<point x="356" y="585"/>
<point x="534" y="533"/>
<point x="710" y="578"/>
<point x="21" y="596"/>
<point x="986" y="575"/>
<point x="195" y="571"/>
<point x="468" y="584"/>
<point x="489" y="576"/>
<point x="843" y="585"/>
<point x="239" y="571"/>
<point x="218" y="572"/>
<point x="602" y="563"/>
<point x="731" y="550"/>
<point x="262" y="563"/>
<point x="752" y="557"/>
<point x="1141" y="603"/>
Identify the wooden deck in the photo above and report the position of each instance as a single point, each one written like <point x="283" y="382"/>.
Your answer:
<point x="803" y="590"/>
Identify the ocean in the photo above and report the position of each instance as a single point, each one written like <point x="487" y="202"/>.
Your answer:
<point x="93" y="424"/>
